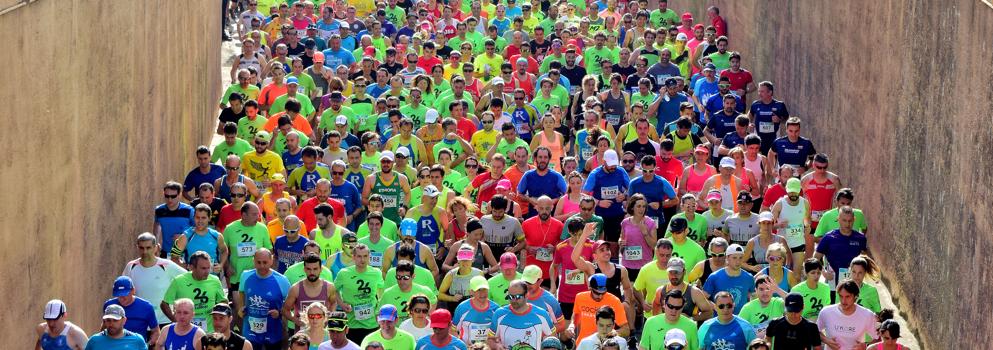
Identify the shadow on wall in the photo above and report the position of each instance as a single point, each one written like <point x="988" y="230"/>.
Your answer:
<point x="105" y="102"/>
<point x="898" y="94"/>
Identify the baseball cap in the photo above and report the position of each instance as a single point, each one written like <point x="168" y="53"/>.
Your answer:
<point x="598" y="282"/>
<point x="710" y="66"/>
<point x="745" y="196"/>
<point x="277" y="177"/>
<point x="337" y="321"/>
<point x="508" y="260"/>
<point x="765" y="216"/>
<point x="114" y="312"/>
<point x="402" y="152"/>
<point x="735" y="249"/>
<point x="677" y="224"/>
<point x="292" y="80"/>
<point x="552" y="342"/>
<point x="676" y="264"/>
<point x="675" y="336"/>
<point x="441" y="318"/>
<point x="478" y="282"/>
<point x="123" y="286"/>
<point x="670" y="82"/>
<point x="687" y="16"/>
<point x="431" y="191"/>
<point x="598" y="244"/>
<point x="309" y="43"/>
<point x="570" y="47"/>
<point x="54" y="309"/>
<point x="727" y="162"/>
<point x="702" y="148"/>
<point x="318" y="57"/>
<point x="262" y="136"/>
<point x="387" y="313"/>
<point x="348" y="237"/>
<point x="503" y="184"/>
<point x="221" y="309"/>
<point x="408" y="227"/>
<point x="793" y="185"/>
<point x="532" y="273"/>
<point x="681" y="37"/>
<point x="336" y="95"/>
<point x="794" y="302"/>
<point x="610" y="158"/>
<point x="341" y="120"/>
<point x="431" y="115"/>
<point x="698" y="26"/>
<point x="465" y="253"/>
<point x="386" y="155"/>
<point x="714" y="195"/>
<point x="497" y="80"/>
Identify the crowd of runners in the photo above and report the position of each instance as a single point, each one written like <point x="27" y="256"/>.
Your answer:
<point x="500" y="175"/>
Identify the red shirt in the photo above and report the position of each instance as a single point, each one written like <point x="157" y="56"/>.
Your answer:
<point x="526" y="84"/>
<point x="465" y="128"/>
<point x="541" y="238"/>
<point x="568" y="288"/>
<point x="306" y="211"/>
<point x="719" y="24"/>
<point x="485" y="194"/>
<point x="773" y="194"/>
<point x="427" y="63"/>
<point x="228" y="215"/>
<point x="820" y="195"/>
<point x="533" y="64"/>
<point x="511" y="51"/>
<point x="738" y="80"/>
<point x="671" y="170"/>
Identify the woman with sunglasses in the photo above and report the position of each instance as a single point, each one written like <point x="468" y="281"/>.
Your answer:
<point x="756" y="248"/>
<point x="551" y="139"/>
<point x="370" y="152"/>
<point x="778" y="258"/>
<point x="317" y="315"/>
<point x="418" y="324"/>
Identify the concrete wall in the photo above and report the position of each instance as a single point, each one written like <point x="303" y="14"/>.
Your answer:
<point x="898" y="93"/>
<point x="104" y="102"/>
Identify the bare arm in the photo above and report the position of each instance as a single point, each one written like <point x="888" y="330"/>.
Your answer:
<point x="443" y="295"/>
<point x="291" y="300"/>
<point x="167" y="310"/>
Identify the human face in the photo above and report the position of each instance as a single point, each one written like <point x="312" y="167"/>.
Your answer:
<point x="628" y="162"/>
<point x="604" y="326"/>
<point x="171" y="197"/>
<point x="260" y="146"/>
<point x="517" y="302"/>
<point x="662" y="255"/>
<point x="689" y="205"/>
<point x="201" y="269"/>
<point x="201" y="220"/>
<point x="115" y="327"/>
<point x="544" y="209"/>
<point x="846" y="299"/>
<point x="586" y="209"/>
<point x="814" y="275"/>
<point x="673" y="307"/>
<point x="404" y="279"/>
<point x="419" y="311"/>
<point x="262" y="261"/>
<point x="640" y="207"/>
<point x="725" y="306"/>
<point x="735" y="260"/>
<point x="541" y="160"/>
<point x="360" y="257"/>
<point x="857" y="273"/>
<point x="845" y="221"/>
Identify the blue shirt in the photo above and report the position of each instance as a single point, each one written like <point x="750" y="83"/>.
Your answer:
<point x="552" y="184"/>
<point x="840" y="249"/>
<point x="547" y="302"/>
<point x="501" y="26"/>
<point x="262" y="295"/>
<point x="471" y="322"/>
<point x="141" y="316"/>
<point x="375" y="90"/>
<point x="341" y="57"/>
<point x="348" y="194"/>
<point x="292" y="161"/>
<point x="425" y="343"/>
<point x="195" y="177"/>
<point x="739" y="286"/>
<point x="763" y="112"/>
<point x="669" y="109"/>
<point x="721" y="124"/>
<point x="196" y="243"/>
<point x="288" y="253"/>
<point x="732" y="140"/>
<point x="734" y="335"/>
<point x="704" y="89"/>
<point x="604" y="185"/>
<point x="715" y="104"/>
<point x="791" y="153"/>
<point x="130" y="341"/>
<point x="173" y="222"/>
<point x="657" y="190"/>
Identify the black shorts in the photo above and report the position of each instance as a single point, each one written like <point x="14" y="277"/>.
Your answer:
<point x="799" y="249"/>
<point x="632" y="273"/>
<point x="566" y="310"/>
<point x="612" y="228"/>
<point x="233" y="287"/>
<point x="358" y="334"/>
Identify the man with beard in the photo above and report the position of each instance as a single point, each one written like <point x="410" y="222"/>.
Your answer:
<point x="198" y="284"/>
<point x="393" y="187"/>
<point x="792" y="217"/>
<point x="642" y="146"/>
<point x="322" y="195"/>
<point x="222" y="316"/>
<point x="541" y="234"/>
<point x="715" y="102"/>
<point x="519" y="324"/>
<point x="695" y="304"/>
<point x="609" y="188"/>
<point x="310" y="290"/>
<point x="541" y="181"/>
<point x="113" y="335"/>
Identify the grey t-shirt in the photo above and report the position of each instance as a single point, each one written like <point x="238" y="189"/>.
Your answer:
<point x="501" y="234"/>
<point x="741" y="229"/>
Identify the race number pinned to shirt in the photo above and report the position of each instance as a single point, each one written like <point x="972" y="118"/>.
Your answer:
<point x="389" y="201"/>
<point x="257" y="324"/>
<point x="246" y="249"/>
<point x="614" y="119"/>
<point x="376" y="259"/>
<point x="575" y="277"/>
<point x="609" y="192"/>
<point x="477" y="332"/>
<point x="633" y="253"/>
<point x="766" y="127"/>
<point x="200" y="322"/>
<point x="362" y="312"/>
<point x="543" y="254"/>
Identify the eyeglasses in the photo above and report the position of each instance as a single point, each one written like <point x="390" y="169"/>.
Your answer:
<point x="404" y="278"/>
<point x="515" y="296"/>
<point x="171" y="196"/>
<point x="315" y="316"/>
<point x="233" y="168"/>
<point x="774" y="258"/>
<point x="237" y="195"/>
<point x="820" y="167"/>
<point x="487" y="122"/>
<point x="725" y="306"/>
<point x="392" y="106"/>
<point x="419" y="311"/>
<point x="261" y="143"/>
<point x="717" y="255"/>
<point x="291" y="231"/>
<point x="472" y="166"/>
<point x="724" y="85"/>
<point x="411" y="61"/>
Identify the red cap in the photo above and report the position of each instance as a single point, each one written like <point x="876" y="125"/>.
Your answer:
<point x="687" y="16"/>
<point x="508" y="260"/>
<point x="441" y="318"/>
<point x="597" y="244"/>
<point x="702" y="148"/>
<point x="698" y="26"/>
<point x="370" y="51"/>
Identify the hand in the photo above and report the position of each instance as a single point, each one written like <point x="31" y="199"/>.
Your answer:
<point x="588" y="230"/>
<point x="832" y="343"/>
<point x="646" y="307"/>
<point x="217" y="268"/>
<point x="775" y="119"/>
<point x="620" y="197"/>
<point x="654" y="205"/>
<point x="604" y="203"/>
<point x="346" y="307"/>
<point x="508" y="249"/>
<point x="740" y="92"/>
<point x="458" y="296"/>
<point x="829" y="274"/>
<point x="568" y="333"/>
<point x="273" y="313"/>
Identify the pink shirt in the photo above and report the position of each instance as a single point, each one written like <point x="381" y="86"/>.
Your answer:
<point x="636" y="252"/>
<point x="847" y="330"/>
<point x="569" y="287"/>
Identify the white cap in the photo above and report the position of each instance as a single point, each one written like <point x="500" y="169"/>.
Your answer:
<point x="341" y="120"/>
<point x="675" y="336"/>
<point x="431" y="191"/>
<point x="735" y="249"/>
<point x="386" y="155"/>
<point x="765" y="216"/>
<point x="497" y="80"/>
<point x="681" y="36"/>
<point x="403" y="151"/>
<point x="610" y="158"/>
<point x="54" y="309"/>
<point x="727" y="162"/>
<point x="431" y="116"/>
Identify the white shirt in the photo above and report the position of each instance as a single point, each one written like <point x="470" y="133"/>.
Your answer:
<point x="327" y="346"/>
<point x="151" y="283"/>
<point x="593" y="342"/>
<point x="418" y="333"/>
<point x="847" y="330"/>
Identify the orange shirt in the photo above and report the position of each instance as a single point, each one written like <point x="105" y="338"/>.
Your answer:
<point x="515" y="175"/>
<point x="276" y="229"/>
<point x="269" y="93"/>
<point x="584" y="313"/>
<point x="300" y="123"/>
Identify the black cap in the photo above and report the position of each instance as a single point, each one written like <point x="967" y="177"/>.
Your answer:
<point x="221" y="309"/>
<point x="794" y="302"/>
<point x="309" y="43"/>
<point x="724" y="78"/>
<point x="677" y="224"/>
<point x="670" y="82"/>
<point x="311" y="26"/>
<point x="745" y="196"/>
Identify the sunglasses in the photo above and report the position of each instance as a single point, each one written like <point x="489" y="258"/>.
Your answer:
<point x="291" y="231"/>
<point x="515" y="296"/>
<point x="487" y="122"/>
<point x="392" y="106"/>
<point x="471" y="166"/>
<point x="404" y="278"/>
<point x="774" y="258"/>
<point x="724" y="85"/>
<point x="233" y="168"/>
<point x="411" y="61"/>
<point x="337" y="173"/>
<point x="237" y="195"/>
<point x="725" y="306"/>
<point x="674" y="307"/>
<point x="315" y="316"/>
<point x="419" y="311"/>
<point x="171" y="196"/>
<point x="359" y="85"/>
<point x="819" y="167"/>
<point x="718" y="255"/>
<point x="628" y="161"/>
<point x="260" y="143"/>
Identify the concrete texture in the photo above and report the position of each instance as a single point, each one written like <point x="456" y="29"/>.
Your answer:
<point x="105" y="101"/>
<point x="898" y="94"/>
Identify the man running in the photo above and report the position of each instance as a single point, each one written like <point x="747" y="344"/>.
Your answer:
<point x="150" y="274"/>
<point x="519" y="324"/>
<point x="172" y="217"/>
<point x="142" y="320"/>
<point x="725" y="331"/>
<point x="113" y="335"/>
<point x="222" y="315"/>
<point x="198" y="285"/>
<point x="393" y="187"/>
<point x="360" y="287"/>
<point x="183" y="334"/>
<point x="243" y="238"/>
<point x="56" y="333"/>
<point x="846" y="324"/>
<point x="609" y="187"/>
<point x="310" y="290"/>
<point x="260" y="300"/>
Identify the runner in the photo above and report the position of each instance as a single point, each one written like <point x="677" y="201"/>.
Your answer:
<point x="183" y="333"/>
<point x="656" y="330"/>
<point x="845" y="325"/>
<point x="360" y="287"/>
<point x="816" y="294"/>
<point x="695" y="303"/>
<point x="113" y="335"/>
<point x="151" y="275"/>
<point x="243" y="238"/>
<point x="726" y="329"/>
<point x="260" y="300"/>
<point x="405" y="287"/>
<point x="584" y="321"/>
<point x="473" y="316"/>
<point x="819" y="188"/>
<point x="388" y="335"/>
<point x="541" y="235"/>
<point x="520" y="324"/>
<point x="605" y="335"/>
<point x="142" y="321"/>
<point x="441" y="337"/>
<point x="337" y="326"/>
<point x="499" y="284"/>
<point x="308" y="291"/>
<point x="197" y="285"/>
<point x="288" y="247"/>
<point x="732" y="279"/>
<point x="793" y="331"/>
<point x="609" y="187"/>
<point x="56" y="333"/>
<point x="391" y="186"/>
<point x="222" y="316"/>
<point x="201" y="237"/>
<point x="792" y="215"/>
<point x="765" y="307"/>
<point x="171" y="218"/>
<point x="567" y="280"/>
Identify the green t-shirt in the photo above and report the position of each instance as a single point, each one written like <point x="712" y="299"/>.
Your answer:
<point x="653" y="332"/>
<point x="329" y="115"/>
<point x="457" y="150"/>
<point x="389" y="230"/>
<point x="393" y="295"/>
<point x="593" y="56"/>
<point x="401" y="341"/>
<point x="545" y="63"/>
<point x="505" y="148"/>
<point x="395" y="15"/>
<point x="498" y="288"/>
<point x="759" y="316"/>
<point x="644" y="100"/>
<point x="813" y="299"/>
<point x="242" y="243"/>
<point x="562" y="93"/>
<point x="721" y="61"/>
<point x="543" y="104"/>
<point x="456" y="181"/>
<point x="247" y="128"/>
<point x="829" y="222"/>
<point x="361" y="290"/>
<point x="364" y="113"/>
<point x="375" y="250"/>
<point x="422" y="277"/>
<point x="305" y="82"/>
<point x="869" y="297"/>
<point x="595" y="218"/>
<point x="698" y="227"/>
<point x="650" y="278"/>
<point x="295" y="273"/>
<point x="205" y="294"/>
<point x="689" y="251"/>
<point x="251" y="93"/>
<point x="279" y="105"/>
<point x="223" y="150"/>
<point x="479" y="47"/>
<point x="441" y="103"/>
<point x="279" y="144"/>
<point x="416" y="114"/>
<point x="669" y="16"/>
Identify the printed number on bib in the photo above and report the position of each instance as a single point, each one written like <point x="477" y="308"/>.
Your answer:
<point x="609" y="192"/>
<point x="633" y="253"/>
<point x="766" y="127"/>
<point x="477" y="332"/>
<point x="614" y="119"/>
<point x="362" y="312"/>
<point x="815" y="215"/>
<point x="575" y="277"/>
<point x="376" y="259"/>
<point x="200" y="322"/>
<point x="390" y="202"/>
<point x="257" y="324"/>
<point x="246" y="249"/>
<point x="543" y="254"/>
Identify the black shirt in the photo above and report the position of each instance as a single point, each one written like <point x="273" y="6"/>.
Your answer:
<point x="574" y="75"/>
<point x="215" y="208"/>
<point x="236" y="342"/>
<point x="625" y="72"/>
<point x="632" y="82"/>
<point x="803" y="335"/>
<point x="228" y="115"/>
<point x="640" y="150"/>
<point x="540" y="50"/>
<point x="392" y="68"/>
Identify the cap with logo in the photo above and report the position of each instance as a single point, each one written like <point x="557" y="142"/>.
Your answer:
<point x="431" y="191"/>
<point x="221" y="309"/>
<point x="341" y="120"/>
<point x="403" y="152"/>
<point x="794" y="302"/>
<point x="745" y="197"/>
<point x="508" y="261"/>
<point x="292" y="80"/>
<point x="677" y="224"/>
<point x="54" y="309"/>
<point x="465" y="253"/>
<point x="710" y="66"/>
<point x="263" y="136"/>
<point x="113" y="312"/>
<point x="122" y="286"/>
<point x="598" y="282"/>
<point x="337" y="321"/>
<point x="387" y="312"/>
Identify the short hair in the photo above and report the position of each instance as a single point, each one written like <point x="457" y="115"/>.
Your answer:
<point x="821" y="158"/>
<point x="203" y="208"/>
<point x="663" y="243"/>
<point x="300" y="338"/>
<point x="213" y="339"/>
<point x="292" y="105"/>
<point x="405" y="266"/>
<point x="173" y="185"/>
<point x="205" y="187"/>
<point x="199" y="255"/>
<point x="752" y="139"/>
<point x="230" y="128"/>
<point x="768" y="85"/>
<point x="405" y="251"/>
<point x="203" y="150"/>
<point x="605" y="313"/>
<point x="811" y="265"/>
<point x="324" y="209"/>
<point x="667" y="145"/>
<point x="674" y="294"/>
<point x="849" y="286"/>
<point x="147" y="237"/>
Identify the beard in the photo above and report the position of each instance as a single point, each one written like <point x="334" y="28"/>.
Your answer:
<point x="312" y="278"/>
<point x="544" y="216"/>
<point x="543" y="166"/>
<point x="794" y="198"/>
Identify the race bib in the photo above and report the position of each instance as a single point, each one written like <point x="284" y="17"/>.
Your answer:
<point x="614" y="119"/>
<point x="815" y="215"/>
<point x="609" y="192"/>
<point x="587" y="153"/>
<point x="362" y="312"/>
<point x="633" y="253"/>
<point x="573" y="89"/>
<point x="257" y="324"/>
<point x="246" y="249"/>
<point x="390" y="202"/>
<point x="575" y="277"/>
<point x="485" y="207"/>
<point x="543" y="254"/>
<point x="477" y="332"/>
<point x="766" y="127"/>
<point x="200" y="322"/>
<point x="376" y="259"/>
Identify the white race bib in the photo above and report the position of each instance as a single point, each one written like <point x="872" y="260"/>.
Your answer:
<point x="362" y="312"/>
<point x="766" y="127"/>
<point x="389" y="201"/>
<point x="609" y="192"/>
<point x="543" y="254"/>
<point x="575" y="277"/>
<point x="614" y="119"/>
<point x="477" y="332"/>
<point x="376" y="259"/>
<point x="794" y="236"/>
<point x="200" y="322"/>
<point x="257" y="324"/>
<point x="246" y="249"/>
<point x="633" y="253"/>
<point x="815" y="215"/>
<point x="587" y="153"/>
